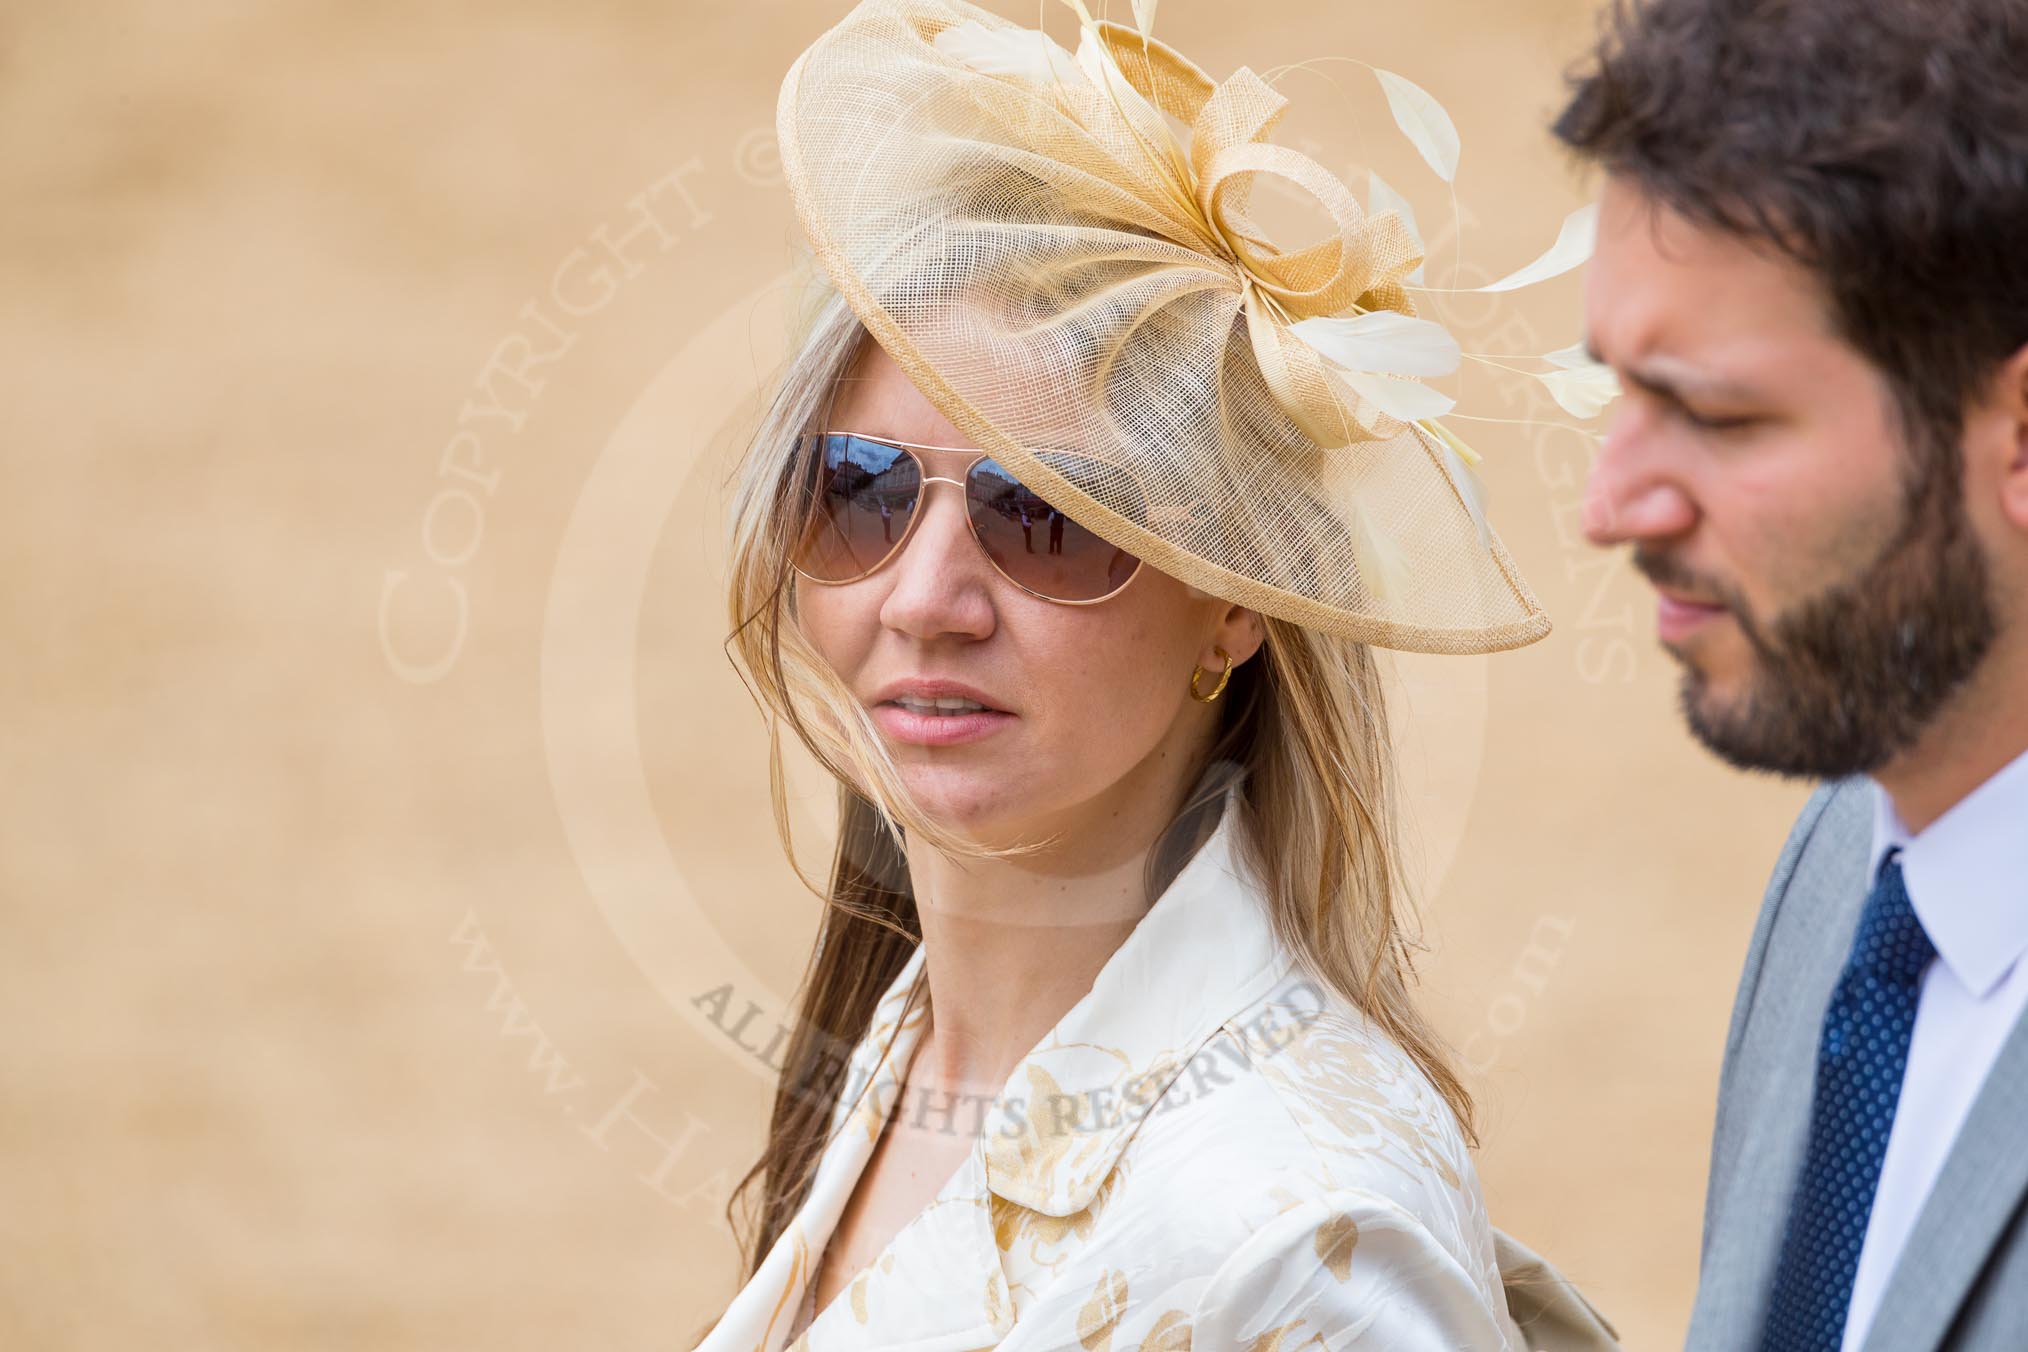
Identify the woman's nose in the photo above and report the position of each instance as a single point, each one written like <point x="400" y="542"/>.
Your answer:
<point x="940" y="580"/>
<point x="944" y="532"/>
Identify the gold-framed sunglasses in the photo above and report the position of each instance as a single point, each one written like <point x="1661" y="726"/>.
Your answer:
<point x="865" y="495"/>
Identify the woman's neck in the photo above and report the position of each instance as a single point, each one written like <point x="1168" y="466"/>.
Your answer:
<point x="1010" y="945"/>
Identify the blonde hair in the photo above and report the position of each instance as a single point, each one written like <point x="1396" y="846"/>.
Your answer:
<point x="1303" y="737"/>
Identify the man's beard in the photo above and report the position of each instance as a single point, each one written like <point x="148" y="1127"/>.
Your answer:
<point x="1847" y="680"/>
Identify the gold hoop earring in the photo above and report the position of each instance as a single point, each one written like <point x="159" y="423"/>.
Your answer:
<point x="1198" y="670"/>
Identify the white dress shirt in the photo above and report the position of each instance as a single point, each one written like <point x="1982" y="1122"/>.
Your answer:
<point x="1967" y="877"/>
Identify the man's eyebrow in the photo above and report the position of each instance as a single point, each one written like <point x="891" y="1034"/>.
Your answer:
<point x="1676" y="380"/>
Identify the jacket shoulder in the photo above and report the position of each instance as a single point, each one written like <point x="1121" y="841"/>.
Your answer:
<point x="1358" y="1115"/>
<point x="1375" y="1193"/>
<point x="1301" y="1155"/>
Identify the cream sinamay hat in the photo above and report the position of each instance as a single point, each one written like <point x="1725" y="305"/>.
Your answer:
<point x="1055" y="249"/>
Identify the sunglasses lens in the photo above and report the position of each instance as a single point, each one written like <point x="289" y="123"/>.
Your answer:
<point x="861" y="495"/>
<point x="1038" y="546"/>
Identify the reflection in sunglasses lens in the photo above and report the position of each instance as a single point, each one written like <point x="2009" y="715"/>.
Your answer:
<point x="860" y="502"/>
<point x="1035" y="544"/>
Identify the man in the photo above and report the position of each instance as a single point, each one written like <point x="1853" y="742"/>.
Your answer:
<point x="1812" y="280"/>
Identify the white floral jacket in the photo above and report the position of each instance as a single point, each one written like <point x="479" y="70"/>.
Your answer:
<point x="1210" y="1151"/>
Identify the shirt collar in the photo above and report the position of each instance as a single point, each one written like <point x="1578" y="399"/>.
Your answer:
<point x="1967" y="875"/>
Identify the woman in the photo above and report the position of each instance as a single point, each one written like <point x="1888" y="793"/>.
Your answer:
<point x="1109" y="1042"/>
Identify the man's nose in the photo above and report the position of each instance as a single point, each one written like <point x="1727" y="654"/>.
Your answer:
<point x="1634" y="493"/>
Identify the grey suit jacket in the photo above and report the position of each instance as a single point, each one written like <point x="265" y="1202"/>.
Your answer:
<point x="1962" y="1282"/>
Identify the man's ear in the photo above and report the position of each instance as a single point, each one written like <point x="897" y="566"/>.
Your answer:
<point x="2008" y="426"/>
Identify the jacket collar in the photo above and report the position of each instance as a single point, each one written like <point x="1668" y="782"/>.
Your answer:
<point x="1202" y="953"/>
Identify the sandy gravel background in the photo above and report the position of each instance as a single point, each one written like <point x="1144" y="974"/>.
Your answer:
<point x="378" y="803"/>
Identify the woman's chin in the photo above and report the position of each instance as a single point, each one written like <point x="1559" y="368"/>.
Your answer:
<point x="985" y="813"/>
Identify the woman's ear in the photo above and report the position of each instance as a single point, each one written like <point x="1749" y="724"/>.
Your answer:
<point x="1241" y="631"/>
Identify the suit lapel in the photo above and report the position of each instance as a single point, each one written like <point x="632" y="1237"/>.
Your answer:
<point x="1984" y="1179"/>
<point x="1774" y="1086"/>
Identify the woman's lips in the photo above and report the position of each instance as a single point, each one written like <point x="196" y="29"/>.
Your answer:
<point x="1676" y="619"/>
<point x="906" y="725"/>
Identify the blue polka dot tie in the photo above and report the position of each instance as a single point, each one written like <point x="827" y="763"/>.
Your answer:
<point x="1860" y="1060"/>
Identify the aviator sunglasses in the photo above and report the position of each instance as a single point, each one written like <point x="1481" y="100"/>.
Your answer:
<point x="866" y="494"/>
